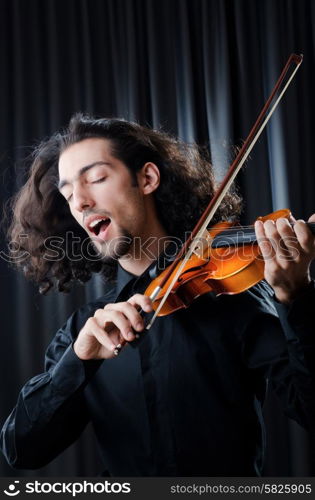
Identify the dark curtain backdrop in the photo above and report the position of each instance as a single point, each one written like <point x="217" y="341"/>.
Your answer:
<point x="199" y="68"/>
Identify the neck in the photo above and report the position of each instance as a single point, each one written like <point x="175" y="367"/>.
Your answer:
<point x="145" y="249"/>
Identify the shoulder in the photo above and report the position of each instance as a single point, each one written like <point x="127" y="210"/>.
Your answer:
<point x="263" y="297"/>
<point x="258" y="297"/>
<point x="254" y="306"/>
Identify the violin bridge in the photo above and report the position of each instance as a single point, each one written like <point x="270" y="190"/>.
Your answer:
<point x="201" y="243"/>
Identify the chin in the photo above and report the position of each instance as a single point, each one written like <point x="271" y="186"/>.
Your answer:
<point x="115" y="248"/>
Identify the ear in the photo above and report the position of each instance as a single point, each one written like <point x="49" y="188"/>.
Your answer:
<point x="149" y="178"/>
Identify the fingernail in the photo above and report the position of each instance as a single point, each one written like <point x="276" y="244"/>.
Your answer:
<point x="139" y="326"/>
<point x="130" y="335"/>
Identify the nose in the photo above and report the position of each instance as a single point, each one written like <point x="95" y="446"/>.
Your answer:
<point x="81" y="199"/>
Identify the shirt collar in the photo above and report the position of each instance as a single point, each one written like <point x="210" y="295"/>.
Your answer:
<point x="123" y="278"/>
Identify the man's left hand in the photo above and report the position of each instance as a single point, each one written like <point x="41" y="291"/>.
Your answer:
<point x="288" y="252"/>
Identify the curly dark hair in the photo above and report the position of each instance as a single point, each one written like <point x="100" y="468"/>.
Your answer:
<point x="41" y="213"/>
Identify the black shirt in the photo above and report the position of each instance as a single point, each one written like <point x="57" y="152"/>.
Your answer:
<point x="185" y="402"/>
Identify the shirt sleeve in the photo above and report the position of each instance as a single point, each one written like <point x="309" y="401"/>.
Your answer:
<point x="281" y="348"/>
<point x="51" y="412"/>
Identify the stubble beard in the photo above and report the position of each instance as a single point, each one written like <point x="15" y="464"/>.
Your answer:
<point x="115" y="248"/>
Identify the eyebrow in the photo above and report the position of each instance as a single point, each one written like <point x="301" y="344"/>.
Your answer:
<point x="82" y="171"/>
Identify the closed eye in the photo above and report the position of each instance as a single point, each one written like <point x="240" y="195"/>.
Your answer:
<point x="99" y="180"/>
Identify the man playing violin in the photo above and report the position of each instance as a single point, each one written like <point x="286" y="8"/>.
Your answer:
<point x="187" y="400"/>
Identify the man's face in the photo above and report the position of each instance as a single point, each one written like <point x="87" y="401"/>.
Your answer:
<point x="101" y="195"/>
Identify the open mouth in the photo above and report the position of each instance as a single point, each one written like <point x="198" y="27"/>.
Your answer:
<point x="99" y="226"/>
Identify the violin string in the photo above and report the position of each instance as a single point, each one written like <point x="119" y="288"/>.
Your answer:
<point x="234" y="228"/>
<point x="231" y="228"/>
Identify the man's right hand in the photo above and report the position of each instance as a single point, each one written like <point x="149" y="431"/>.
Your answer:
<point x="106" y="329"/>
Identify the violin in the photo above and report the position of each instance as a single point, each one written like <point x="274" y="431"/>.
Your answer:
<point x="227" y="261"/>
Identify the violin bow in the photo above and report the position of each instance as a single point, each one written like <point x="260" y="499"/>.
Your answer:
<point x="193" y="239"/>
